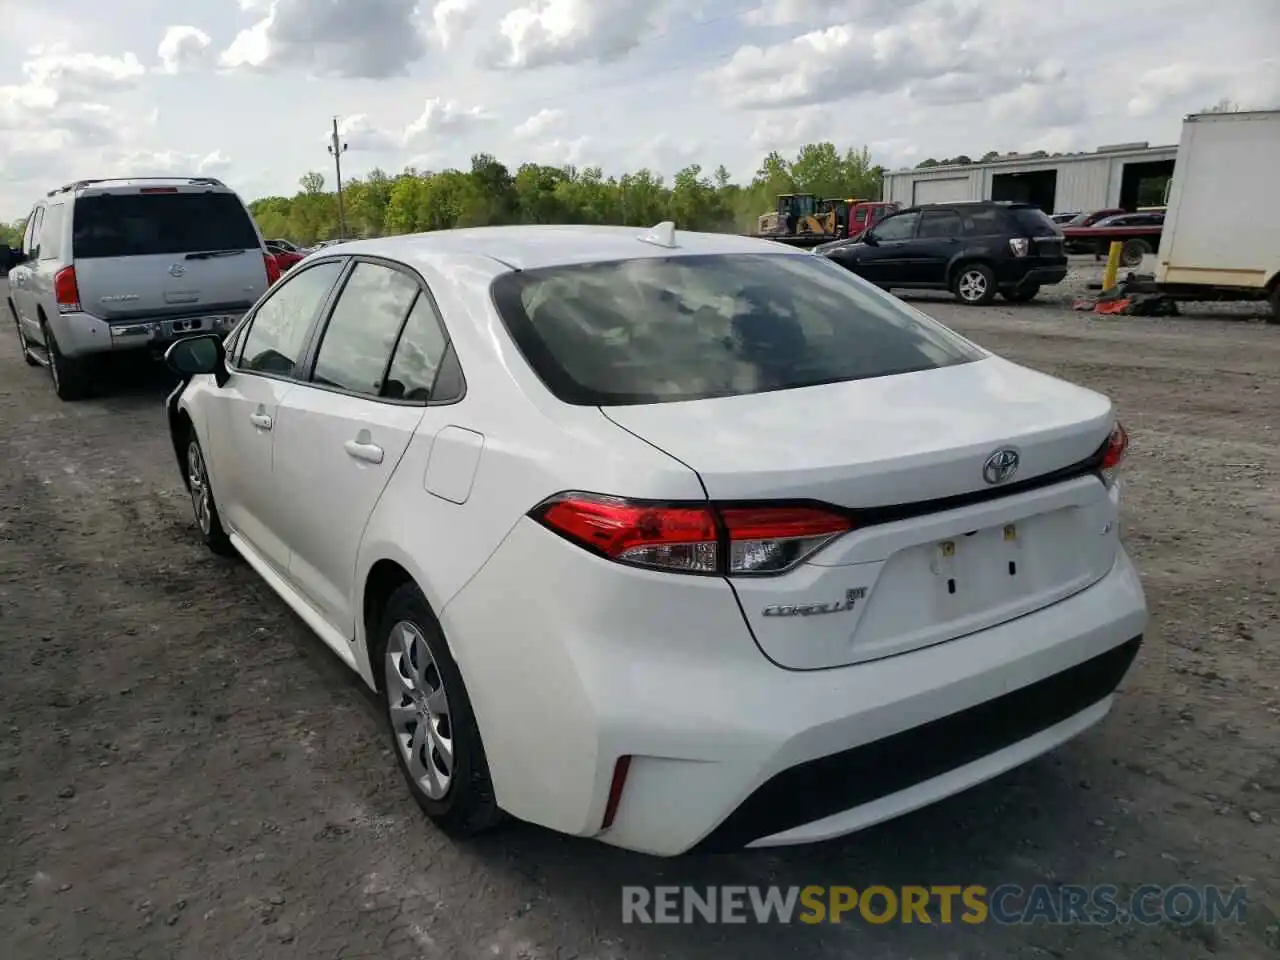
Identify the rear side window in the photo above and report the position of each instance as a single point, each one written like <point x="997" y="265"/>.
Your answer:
<point x="51" y="232"/>
<point x="939" y="224"/>
<point x="279" y="329"/>
<point x="362" y="330"/>
<point x="152" y="224"/>
<point x="1034" y="222"/>
<point x="418" y="355"/>
<point x="984" y="221"/>
<point x="687" y="328"/>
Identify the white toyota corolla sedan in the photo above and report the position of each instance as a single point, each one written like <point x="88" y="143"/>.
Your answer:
<point x="680" y="541"/>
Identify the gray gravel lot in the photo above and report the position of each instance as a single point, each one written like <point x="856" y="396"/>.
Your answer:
<point x="185" y="772"/>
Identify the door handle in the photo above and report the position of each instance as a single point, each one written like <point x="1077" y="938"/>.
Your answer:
<point x="260" y="420"/>
<point x="368" y="452"/>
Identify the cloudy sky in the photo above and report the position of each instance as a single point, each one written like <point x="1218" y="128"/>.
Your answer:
<point x="245" y="89"/>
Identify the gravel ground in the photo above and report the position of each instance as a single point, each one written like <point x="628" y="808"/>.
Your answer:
<point x="185" y="772"/>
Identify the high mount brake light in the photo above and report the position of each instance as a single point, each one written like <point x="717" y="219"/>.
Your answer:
<point x="692" y="538"/>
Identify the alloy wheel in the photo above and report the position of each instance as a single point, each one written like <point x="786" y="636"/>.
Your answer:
<point x="201" y="500"/>
<point x="419" y="710"/>
<point x="973" y="285"/>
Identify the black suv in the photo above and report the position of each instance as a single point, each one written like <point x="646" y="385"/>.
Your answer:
<point x="972" y="249"/>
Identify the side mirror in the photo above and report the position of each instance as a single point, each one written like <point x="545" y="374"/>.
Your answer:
<point x="9" y="258"/>
<point x="869" y="239"/>
<point x="192" y="356"/>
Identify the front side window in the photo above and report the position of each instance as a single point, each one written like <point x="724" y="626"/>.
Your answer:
<point x="901" y="227"/>
<point x="363" y="328"/>
<point x="685" y="328"/>
<point x="278" y="330"/>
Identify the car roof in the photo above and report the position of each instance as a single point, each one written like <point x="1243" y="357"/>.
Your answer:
<point x="530" y="246"/>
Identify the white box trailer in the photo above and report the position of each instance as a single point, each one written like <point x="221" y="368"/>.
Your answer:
<point x="1221" y="236"/>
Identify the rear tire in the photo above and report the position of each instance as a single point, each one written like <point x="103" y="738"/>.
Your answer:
<point x="433" y="728"/>
<point x="974" y="284"/>
<point x="1021" y="294"/>
<point x="70" y="376"/>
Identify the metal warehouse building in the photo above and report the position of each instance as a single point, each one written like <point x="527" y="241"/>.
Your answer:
<point x="1126" y="176"/>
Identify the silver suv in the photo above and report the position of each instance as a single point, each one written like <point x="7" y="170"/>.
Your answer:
<point x="112" y="265"/>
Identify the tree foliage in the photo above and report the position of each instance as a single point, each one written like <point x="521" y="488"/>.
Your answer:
<point x="490" y="193"/>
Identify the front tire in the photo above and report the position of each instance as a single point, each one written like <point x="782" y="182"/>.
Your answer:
<point x="974" y="285"/>
<point x="434" y="734"/>
<point x="203" y="504"/>
<point x="22" y="341"/>
<point x="1133" y="251"/>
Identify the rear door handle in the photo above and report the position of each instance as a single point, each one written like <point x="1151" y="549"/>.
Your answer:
<point x="368" y="452"/>
<point x="260" y="420"/>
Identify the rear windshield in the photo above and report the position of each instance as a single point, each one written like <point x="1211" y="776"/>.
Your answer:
<point x="134" y="225"/>
<point x="1035" y="222"/>
<point x="688" y="328"/>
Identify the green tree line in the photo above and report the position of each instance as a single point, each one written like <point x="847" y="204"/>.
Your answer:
<point x="491" y="193"/>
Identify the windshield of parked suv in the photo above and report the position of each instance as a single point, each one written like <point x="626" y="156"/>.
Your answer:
<point x="134" y="225"/>
<point x="687" y="328"/>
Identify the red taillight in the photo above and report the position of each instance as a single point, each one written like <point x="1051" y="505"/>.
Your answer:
<point x="66" y="291"/>
<point x="693" y="538"/>
<point x="273" y="268"/>
<point x="1115" y="449"/>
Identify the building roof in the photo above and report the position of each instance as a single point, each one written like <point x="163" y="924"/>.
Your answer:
<point x="1117" y="150"/>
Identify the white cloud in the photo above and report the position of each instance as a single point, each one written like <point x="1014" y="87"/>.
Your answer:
<point x="563" y="32"/>
<point x="160" y="163"/>
<point x="373" y="39"/>
<point x="538" y="124"/>
<point x="358" y="132"/>
<point x="76" y="73"/>
<point x="440" y="118"/>
<point x="450" y="18"/>
<point x="183" y="49"/>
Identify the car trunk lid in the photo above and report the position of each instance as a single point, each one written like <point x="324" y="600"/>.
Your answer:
<point x="938" y="550"/>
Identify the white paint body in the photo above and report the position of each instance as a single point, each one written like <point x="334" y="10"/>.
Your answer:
<point x="1222" y="227"/>
<point x="572" y="660"/>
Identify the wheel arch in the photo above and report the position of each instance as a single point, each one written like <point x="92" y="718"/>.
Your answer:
<point x="963" y="260"/>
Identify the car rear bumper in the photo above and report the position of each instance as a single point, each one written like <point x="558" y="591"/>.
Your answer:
<point x="79" y="334"/>
<point x="572" y="663"/>
<point x="1022" y="276"/>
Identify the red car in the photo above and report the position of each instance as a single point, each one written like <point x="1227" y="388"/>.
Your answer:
<point x="284" y="258"/>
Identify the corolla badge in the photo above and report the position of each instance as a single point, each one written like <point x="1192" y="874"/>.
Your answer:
<point x="177" y="270"/>
<point x="1001" y="465"/>
<point x="851" y="597"/>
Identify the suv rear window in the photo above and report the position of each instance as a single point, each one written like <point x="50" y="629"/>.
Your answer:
<point x="694" y="327"/>
<point x="141" y="224"/>
<point x="1035" y="222"/>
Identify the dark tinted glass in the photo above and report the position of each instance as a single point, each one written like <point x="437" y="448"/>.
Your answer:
<point x="900" y="227"/>
<point x="940" y="223"/>
<point x="131" y="225"/>
<point x="363" y="328"/>
<point x="279" y="328"/>
<point x="1034" y="222"/>
<point x="418" y="355"/>
<point x="984" y="221"/>
<point x="684" y="328"/>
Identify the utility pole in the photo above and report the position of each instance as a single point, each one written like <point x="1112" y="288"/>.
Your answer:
<point x="337" y="148"/>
